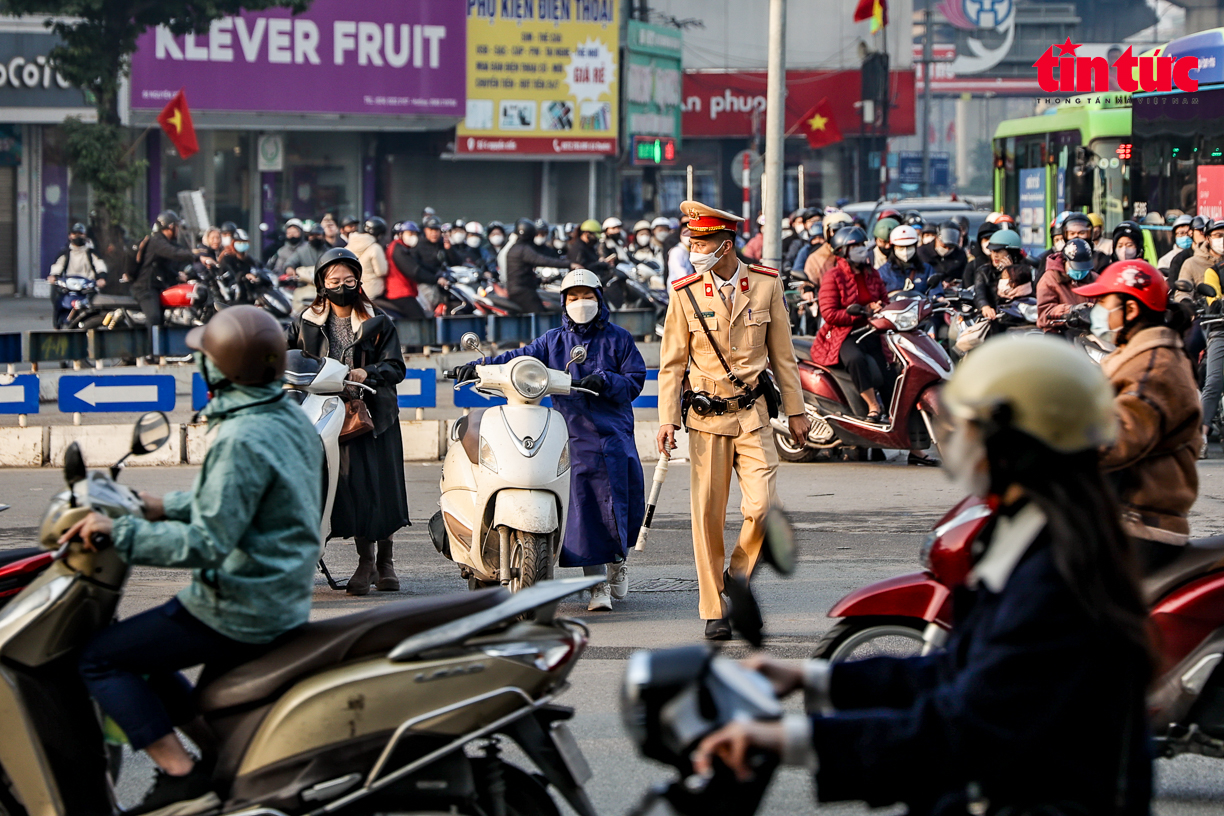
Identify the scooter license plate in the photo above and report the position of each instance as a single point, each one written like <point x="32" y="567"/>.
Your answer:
<point x="570" y="753"/>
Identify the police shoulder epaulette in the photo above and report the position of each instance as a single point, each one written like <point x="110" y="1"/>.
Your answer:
<point x="764" y="270"/>
<point x="685" y="281"/>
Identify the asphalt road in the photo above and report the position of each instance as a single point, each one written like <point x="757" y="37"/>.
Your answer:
<point x="856" y="523"/>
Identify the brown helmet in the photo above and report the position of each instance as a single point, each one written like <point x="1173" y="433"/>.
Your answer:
<point x="245" y="343"/>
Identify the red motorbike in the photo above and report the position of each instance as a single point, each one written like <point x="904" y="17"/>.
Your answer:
<point x="912" y="614"/>
<point x="837" y="411"/>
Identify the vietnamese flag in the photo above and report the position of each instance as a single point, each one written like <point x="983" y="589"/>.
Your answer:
<point x="874" y="10"/>
<point x="819" y="125"/>
<point x="175" y="119"/>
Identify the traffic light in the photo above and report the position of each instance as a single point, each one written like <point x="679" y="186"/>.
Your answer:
<point x="654" y="150"/>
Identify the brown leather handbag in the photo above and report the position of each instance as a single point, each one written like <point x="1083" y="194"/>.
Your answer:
<point x="357" y="420"/>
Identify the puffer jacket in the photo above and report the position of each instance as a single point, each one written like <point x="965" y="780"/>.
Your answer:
<point x="1154" y="460"/>
<point x="1056" y="295"/>
<point x="373" y="263"/>
<point x="1194" y="268"/>
<point x="839" y="289"/>
<point x="248" y="528"/>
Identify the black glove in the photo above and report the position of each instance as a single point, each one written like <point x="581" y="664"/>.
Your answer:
<point x="856" y="309"/>
<point x="465" y="372"/>
<point x="592" y="382"/>
<point x="1078" y="317"/>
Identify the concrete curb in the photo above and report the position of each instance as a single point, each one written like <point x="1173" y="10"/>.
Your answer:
<point x="425" y="440"/>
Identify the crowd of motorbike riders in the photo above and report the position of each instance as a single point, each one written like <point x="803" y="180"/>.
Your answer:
<point x="1035" y="425"/>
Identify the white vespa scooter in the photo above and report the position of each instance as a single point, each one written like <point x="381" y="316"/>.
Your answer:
<point x="506" y="479"/>
<point x="316" y="384"/>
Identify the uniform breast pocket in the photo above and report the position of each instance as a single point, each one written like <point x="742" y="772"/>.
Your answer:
<point x="700" y="341"/>
<point x="758" y="327"/>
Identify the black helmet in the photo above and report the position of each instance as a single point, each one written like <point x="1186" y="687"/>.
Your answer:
<point x="1076" y="218"/>
<point x="927" y="228"/>
<point x="961" y="222"/>
<point x="1213" y="226"/>
<point x="494" y="225"/>
<point x="316" y="230"/>
<point x="913" y="218"/>
<point x="1199" y="223"/>
<point x="1131" y="230"/>
<point x="228" y="226"/>
<point x="78" y="227"/>
<point x="352" y="221"/>
<point x="375" y="225"/>
<point x="1077" y="250"/>
<point x="541" y="226"/>
<point x="168" y="219"/>
<point x="847" y="237"/>
<point x="525" y="229"/>
<point x="949" y="234"/>
<point x="336" y="255"/>
<point x="431" y="222"/>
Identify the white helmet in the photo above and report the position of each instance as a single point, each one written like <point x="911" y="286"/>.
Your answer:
<point x="612" y="222"/>
<point x="580" y="277"/>
<point x="835" y="221"/>
<point x="660" y="222"/>
<point x="474" y="228"/>
<point x="903" y="236"/>
<point x="641" y="225"/>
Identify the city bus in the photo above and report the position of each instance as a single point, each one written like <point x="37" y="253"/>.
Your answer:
<point x="1072" y="157"/>
<point x="1177" y="161"/>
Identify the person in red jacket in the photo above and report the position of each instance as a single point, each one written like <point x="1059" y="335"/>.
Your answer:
<point x="401" y="295"/>
<point x="850" y="293"/>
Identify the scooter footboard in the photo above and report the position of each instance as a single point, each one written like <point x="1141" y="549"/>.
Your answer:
<point x="917" y="595"/>
<point x="532" y="511"/>
<point x="546" y="738"/>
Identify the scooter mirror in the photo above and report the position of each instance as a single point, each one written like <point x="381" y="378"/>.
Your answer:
<point x="780" y="550"/>
<point x="470" y="341"/>
<point x="1205" y="290"/>
<point x="934" y="281"/>
<point x="1183" y="286"/>
<point x="74" y="465"/>
<point x="152" y="431"/>
<point x="577" y="355"/>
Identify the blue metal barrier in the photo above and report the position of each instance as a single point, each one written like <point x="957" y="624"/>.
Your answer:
<point x="510" y="329"/>
<point x="638" y="322"/>
<point x="416" y="332"/>
<point x="545" y="321"/>
<point x="199" y="391"/>
<point x="171" y="341"/>
<point x="108" y="344"/>
<point x="649" y="398"/>
<point x="10" y="348"/>
<point x="419" y="388"/>
<point x="19" y="395"/>
<point x="450" y="329"/>
<point x="129" y="393"/>
<point x="54" y="346"/>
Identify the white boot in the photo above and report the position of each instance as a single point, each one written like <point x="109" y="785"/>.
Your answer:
<point x="601" y="598"/>
<point x="618" y="580"/>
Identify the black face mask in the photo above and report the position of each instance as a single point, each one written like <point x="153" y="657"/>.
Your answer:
<point x="78" y="241"/>
<point x="318" y="243"/>
<point x="342" y="295"/>
<point x="294" y="241"/>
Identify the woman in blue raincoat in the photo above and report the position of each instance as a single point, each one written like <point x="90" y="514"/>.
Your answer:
<point x="607" y="494"/>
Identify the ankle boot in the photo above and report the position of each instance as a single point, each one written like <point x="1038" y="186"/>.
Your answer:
<point x="388" y="581"/>
<point x="359" y="584"/>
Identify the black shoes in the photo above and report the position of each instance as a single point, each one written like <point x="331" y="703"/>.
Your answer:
<point x="922" y="460"/>
<point x="718" y="629"/>
<point x="178" y="795"/>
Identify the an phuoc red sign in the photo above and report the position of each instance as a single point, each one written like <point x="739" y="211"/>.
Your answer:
<point x="1091" y="74"/>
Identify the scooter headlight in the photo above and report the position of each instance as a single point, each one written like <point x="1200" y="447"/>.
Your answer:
<point x="487" y="459"/>
<point x="906" y="319"/>
<point x="529" y="377"/>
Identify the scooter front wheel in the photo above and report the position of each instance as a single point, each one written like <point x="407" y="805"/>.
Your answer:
<point x="789" y="451"/>
<point x="530" y="559"/>
<point x="861" y="638"/>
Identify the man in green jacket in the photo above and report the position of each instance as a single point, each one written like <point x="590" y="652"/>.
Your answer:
<point x="249" y="530"/>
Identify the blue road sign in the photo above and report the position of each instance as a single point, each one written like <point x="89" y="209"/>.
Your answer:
<point x="118" y="393"/>
<point x="419" y="388"/>
<point x="649" y="398"/>
<point x="19" y="394"/>
<point x="199" y="391"/>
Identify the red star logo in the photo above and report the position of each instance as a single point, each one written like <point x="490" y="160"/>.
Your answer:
<point x="1067" y="49"/>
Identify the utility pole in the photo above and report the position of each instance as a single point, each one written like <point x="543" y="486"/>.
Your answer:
<point x="926" y="99"/>
<point x="775" y="139"/>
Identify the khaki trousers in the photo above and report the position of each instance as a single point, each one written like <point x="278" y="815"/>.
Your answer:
<point x="713" y="457"/>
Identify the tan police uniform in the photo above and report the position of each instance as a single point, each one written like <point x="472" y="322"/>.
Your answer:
<point x="750" y="325"/>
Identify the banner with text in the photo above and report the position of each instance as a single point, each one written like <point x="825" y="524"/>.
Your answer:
<point x="653" y="78"/>
<point x="380" y="57"/>
<point x="541" y="78"/>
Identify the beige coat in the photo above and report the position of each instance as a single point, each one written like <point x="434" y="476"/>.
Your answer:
<point x="752" y="337"/>
<point x="373" y="259"/>
<point x="1194" y="268"/>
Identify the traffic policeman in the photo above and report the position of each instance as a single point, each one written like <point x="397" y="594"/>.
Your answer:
<point x="726" y="323"/>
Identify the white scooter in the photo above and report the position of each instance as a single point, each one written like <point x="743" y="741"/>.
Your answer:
<point x="506" y="479"/>
<point x="316" y="384"/>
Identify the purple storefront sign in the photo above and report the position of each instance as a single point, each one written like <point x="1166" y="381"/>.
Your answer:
<point x="379" y="57"/>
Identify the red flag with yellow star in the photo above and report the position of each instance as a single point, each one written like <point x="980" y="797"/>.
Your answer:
<point x="874" y="10"/>
<point x="175" y="119"/>
<point x="819" y="125"/>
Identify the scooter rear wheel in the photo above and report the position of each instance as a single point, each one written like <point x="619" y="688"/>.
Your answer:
<point x="788" y="451"/>
<point x="861" y="638"/>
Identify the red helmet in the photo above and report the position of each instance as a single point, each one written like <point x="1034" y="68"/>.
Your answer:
<point x="1136" y="278"/>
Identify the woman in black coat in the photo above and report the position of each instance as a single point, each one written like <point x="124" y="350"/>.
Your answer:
<point x="371" y="503"/>
<point x="1037" y="706"/>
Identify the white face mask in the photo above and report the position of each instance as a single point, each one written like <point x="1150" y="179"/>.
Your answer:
<point x="1058" y="244"/>
<point x="497" y="240"/>
<point x="661" y="235"/>
<point x="473" y="241"/>
<point x="942" y="251"/>
<point x="905" y="252"/>
<point x="226" y="240"/>
<point x="1217" y="245"/>
<point x="410" y="239"/>
<point x="582" y="311"/>
<point x="540" y="239"/>
<point x="704" y="261"/>
<point x="558" y="243"/>
<point x="458" y="237"/>
<point x="643" y="240"/>
<point x="1128" y="253"/>
<point x="1099" y="320"/>
<point x="965" y="460"/>
<point x="928" y="238"/>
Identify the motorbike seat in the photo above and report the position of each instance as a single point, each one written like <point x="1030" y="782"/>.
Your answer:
<point x="803" y="347"/>
<point x="468" y="432"/>
<point x="325" y="643"/>
<point x="20" y="554"/>
<point x="115" y="302"/>
<point x="1198" y="558"/>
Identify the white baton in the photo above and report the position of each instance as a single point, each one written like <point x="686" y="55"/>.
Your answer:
<point x="656" y="487"/>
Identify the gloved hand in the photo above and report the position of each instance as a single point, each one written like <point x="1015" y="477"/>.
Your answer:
<point x="592" y="382"/>
<point x="465" y="372"/>
<point x="1078" y="317"/>
<point x="856" y="309"/>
